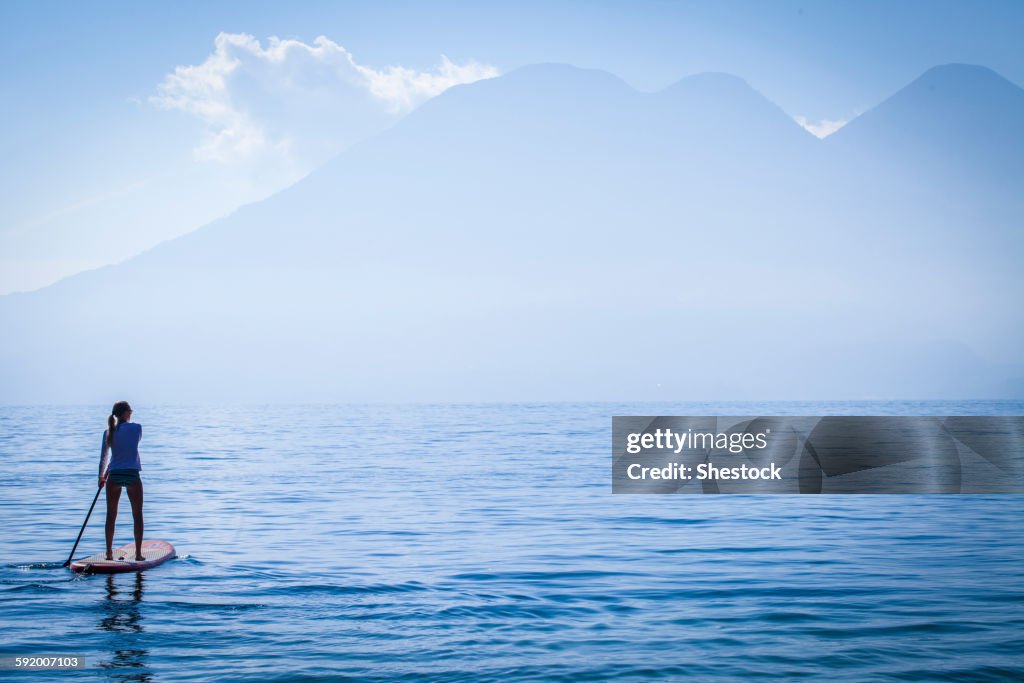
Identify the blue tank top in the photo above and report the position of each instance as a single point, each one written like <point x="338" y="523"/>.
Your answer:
<point x="124" y="454"/>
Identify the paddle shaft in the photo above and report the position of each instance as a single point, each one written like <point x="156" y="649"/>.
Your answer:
<point x="82" y="530"/>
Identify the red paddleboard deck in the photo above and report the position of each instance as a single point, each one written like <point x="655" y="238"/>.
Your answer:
<point x="155" y="552"/>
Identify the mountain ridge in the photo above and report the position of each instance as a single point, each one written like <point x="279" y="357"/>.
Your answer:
<point x="548" y="69"/>
<point x="529" y="241"/>
<point x="952" y="115"/>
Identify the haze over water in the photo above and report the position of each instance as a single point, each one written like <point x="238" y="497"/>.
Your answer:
<point x="482" y="542"/>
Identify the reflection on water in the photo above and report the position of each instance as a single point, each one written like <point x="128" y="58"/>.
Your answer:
<point x="124" y="620"/>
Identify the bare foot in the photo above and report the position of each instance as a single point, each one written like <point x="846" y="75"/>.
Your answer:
<point x="140" y="558"/>
<point x="110" y="555"/>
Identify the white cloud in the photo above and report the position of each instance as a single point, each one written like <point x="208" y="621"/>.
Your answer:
<point x="295" y="102"/>
<point x="404" y="88"/>
<point x="822" y="128"/>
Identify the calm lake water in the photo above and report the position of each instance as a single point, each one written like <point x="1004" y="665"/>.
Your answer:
<point x="482" y="542"/>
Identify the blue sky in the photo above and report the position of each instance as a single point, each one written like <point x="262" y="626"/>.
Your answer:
<point x="96" y="166"/>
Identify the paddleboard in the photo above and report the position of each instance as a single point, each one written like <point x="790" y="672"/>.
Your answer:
<point x="155" y="552"/>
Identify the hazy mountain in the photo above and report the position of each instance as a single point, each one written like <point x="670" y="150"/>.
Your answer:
<point x="957" y="119"/>
<point x="550" y="234"/>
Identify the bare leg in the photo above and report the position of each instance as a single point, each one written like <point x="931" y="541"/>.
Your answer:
<point x="113" y="496"/>
<point x="135" y="498"/>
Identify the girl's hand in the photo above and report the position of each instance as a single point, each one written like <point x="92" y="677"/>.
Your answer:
<point x="102" y="479"/>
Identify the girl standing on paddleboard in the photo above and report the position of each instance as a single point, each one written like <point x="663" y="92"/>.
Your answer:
<point x="121" y="439"/>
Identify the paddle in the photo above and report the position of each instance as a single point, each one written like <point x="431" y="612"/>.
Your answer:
<point x="82" y="530"/>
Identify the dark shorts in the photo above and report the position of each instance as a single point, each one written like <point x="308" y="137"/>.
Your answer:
<point x="123" y="477"/>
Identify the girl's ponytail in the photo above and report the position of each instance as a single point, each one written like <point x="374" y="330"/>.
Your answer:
<point x="110" y="429"/>
<point x="118" y="411"/>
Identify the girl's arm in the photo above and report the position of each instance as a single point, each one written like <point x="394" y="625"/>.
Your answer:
<point x="103" y="460"/>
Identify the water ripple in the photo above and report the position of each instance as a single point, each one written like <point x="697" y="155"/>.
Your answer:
<point x="481" y="543"/>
